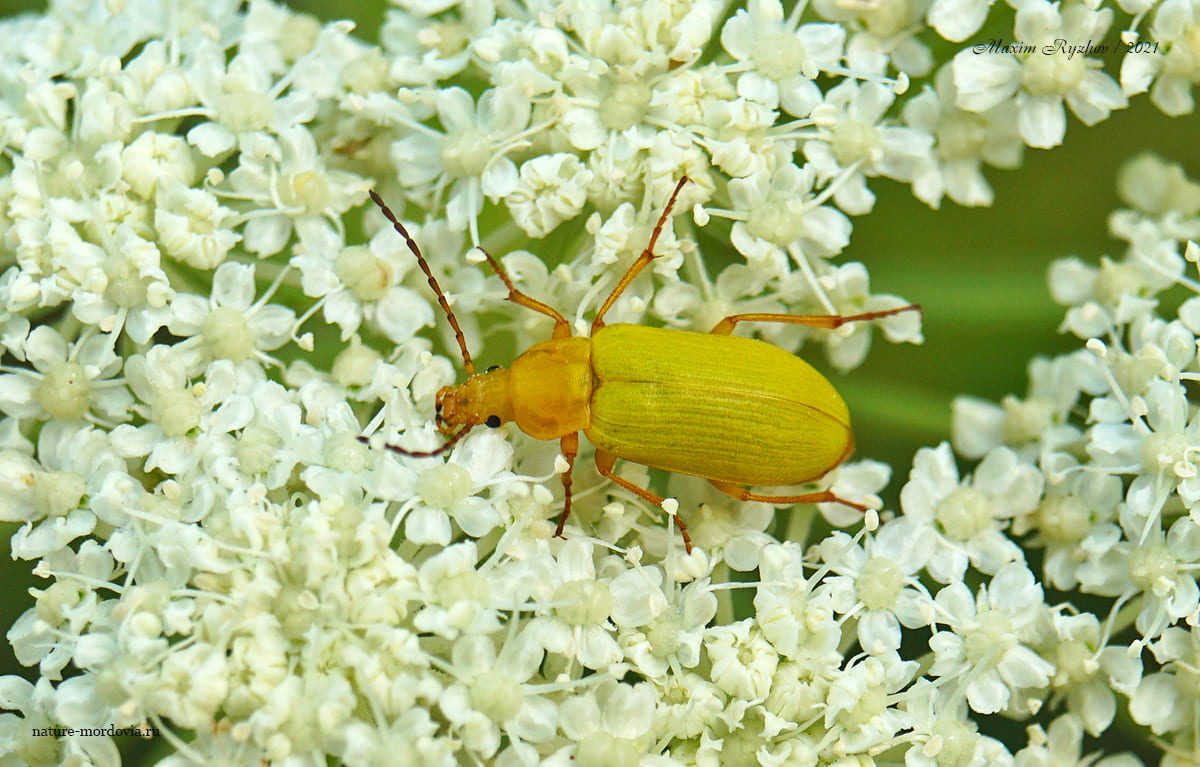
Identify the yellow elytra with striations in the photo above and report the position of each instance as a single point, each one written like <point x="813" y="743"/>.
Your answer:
<point x="735" y="411"/>
<point x="757" y="402"/>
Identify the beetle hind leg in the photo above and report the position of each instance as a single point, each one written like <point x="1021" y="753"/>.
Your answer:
<point x="822" y="496"/>
<point x="826" y="321"/>
<point x="604" y="464"/>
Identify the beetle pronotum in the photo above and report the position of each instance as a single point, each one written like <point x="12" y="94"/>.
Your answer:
<point x="659" y="397"/>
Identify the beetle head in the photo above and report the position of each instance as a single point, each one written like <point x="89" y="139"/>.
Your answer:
<point x="481" y="399"/>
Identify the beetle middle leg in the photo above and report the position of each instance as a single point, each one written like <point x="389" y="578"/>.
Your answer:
<point x="604" y="464"/>
<point x="827" y="321"/>
<point x="822" y="496"/>
<point x="562" y="329"/>
<point x="570" y="448"/>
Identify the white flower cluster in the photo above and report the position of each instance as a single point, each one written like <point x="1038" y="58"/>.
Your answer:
<point x="1111" y="430"/>
<point x="196" y="330"/>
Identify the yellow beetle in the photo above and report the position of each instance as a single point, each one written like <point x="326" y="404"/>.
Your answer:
<point x="735" y="411"/>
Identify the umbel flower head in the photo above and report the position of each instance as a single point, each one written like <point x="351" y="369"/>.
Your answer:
<point x="201" y="313"/>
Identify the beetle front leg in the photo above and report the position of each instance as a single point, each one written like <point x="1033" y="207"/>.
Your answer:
<point x="604" y="464"/>
<point x="826" y="321"/>
<point x="562" y="329"/>
<point x="823" y="496"/>
<point x="570" y="448"/>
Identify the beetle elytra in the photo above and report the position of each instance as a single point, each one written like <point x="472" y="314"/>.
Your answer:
<point x="736" y="411"/>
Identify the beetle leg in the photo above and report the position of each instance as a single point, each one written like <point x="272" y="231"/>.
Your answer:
<point x="742" y="494"/>
<point x="604" y="464"/>
<point x="827" y="321"/>
<point x="645" y="258"/>
<point x="570" y="448"/>
<point x="561" y="328"/>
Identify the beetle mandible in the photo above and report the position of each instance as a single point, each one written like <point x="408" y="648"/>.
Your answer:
<point x="736" y="411"/>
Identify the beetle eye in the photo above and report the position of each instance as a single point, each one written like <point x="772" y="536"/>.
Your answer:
<point x="493" y="422"/>
<point x="493" y="367"/>
<point x="438" y="407"/>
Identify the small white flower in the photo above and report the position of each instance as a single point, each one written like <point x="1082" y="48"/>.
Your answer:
<point x="581" y="603"/>
<point x="240" y="100"/>
<point x="1160" y="701"/>
<point x="847" y="289"/>
<point x="1169" y="75"/>
<point x="230" y="324"/>
<point x="134" y="294"/>
<point x="157" y="161"/>
<point x="956" y="20"/>
<point x="424" y="47"/>
<point x="734" y="530"/>
<point x="193" y="227"/>
<point x="1081" y="507"/>
<point x="743" y="662"/>
<point x="1033" y="426"/>
<point x="361" y="282"/>
<point x="784" y="217"/>
<point x="797" y="620"/>
<point x="458" y="598"/>
<point x="451" y="491"/>
<point x="470" y="154"/>
<point x="963" y="142"/>
<point x="854" y="142"/>
<point x="1061" y="746"/>
<point x="1089" y="672"/>
<point x="964" y="519"/>
<point x="786" y="58"/>
<point x="1153" y="563"/>
<point x="944" y="734"/>
<point x="1162" y="190"/>
<point x="492" y="697"/>
<point x="63" y="492"/>
<point x="172" y="437"/>
<point x="857" y="701"/>
<point x="611" y="724"/>
<point x="876" y="583"/>
<point x="550" y="190"/>
<point x="293" y="190"/>
<point x="69" y="382"/>
<point x="883" y="35"/>
<point x="660" y="631"/>
<point x="988" y="637"/>
<point x="688" y="705"/>
<point x="1040" y="81"/>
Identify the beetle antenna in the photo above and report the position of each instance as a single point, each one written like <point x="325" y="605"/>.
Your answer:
<point x="423" y="453"/>
<point x="441" y="297"/>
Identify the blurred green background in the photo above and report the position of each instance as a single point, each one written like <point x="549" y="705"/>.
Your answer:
<point x="979" y="274"/>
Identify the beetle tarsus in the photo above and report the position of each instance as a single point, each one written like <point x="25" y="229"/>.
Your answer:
<point x="687" y="539"/>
